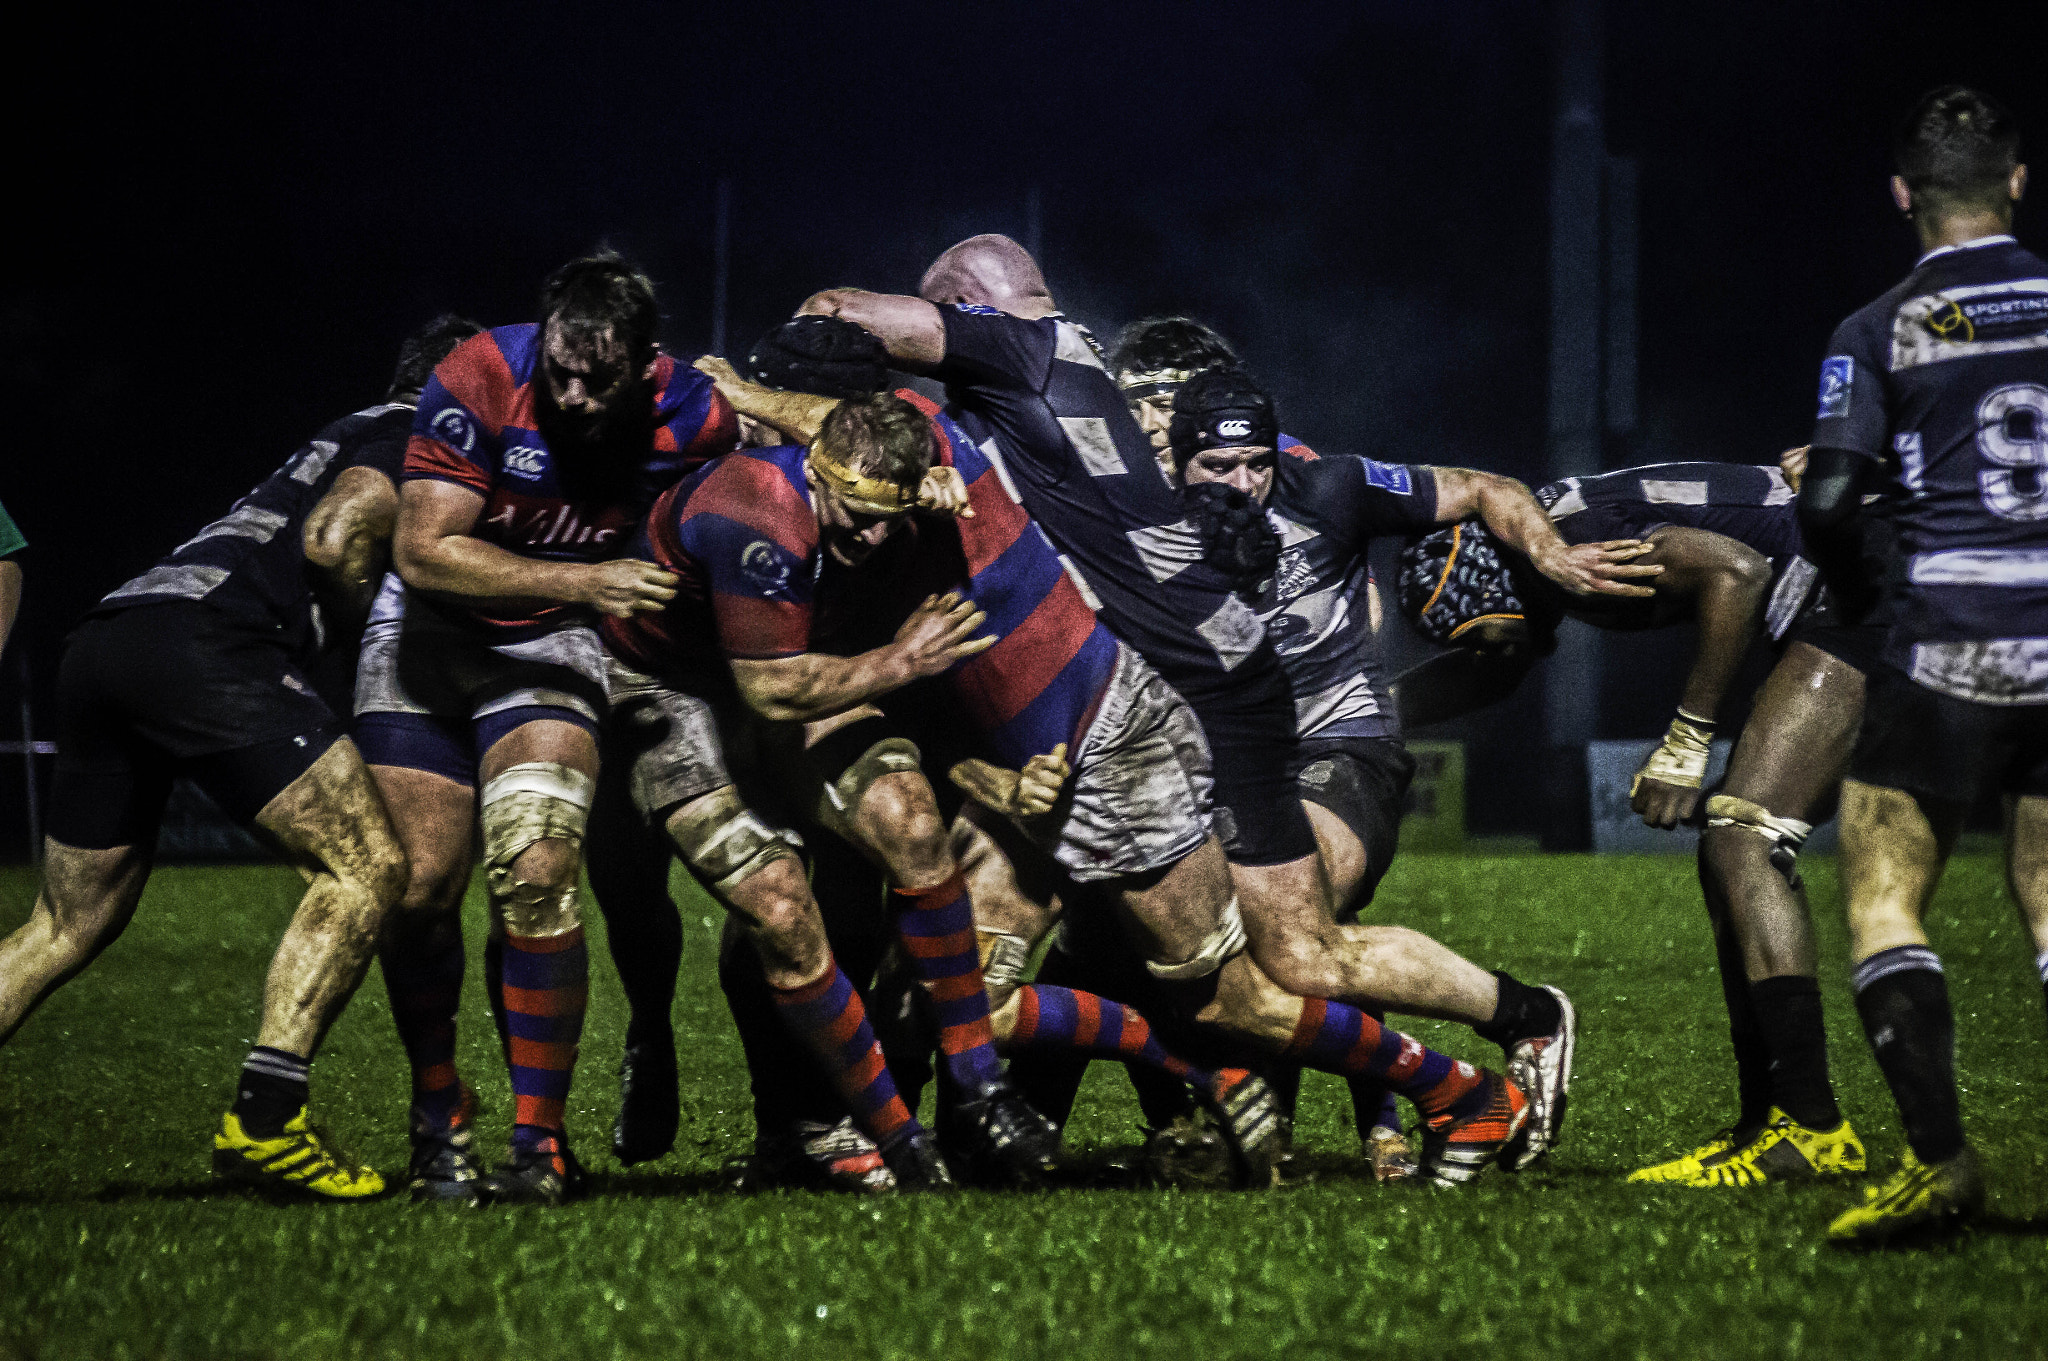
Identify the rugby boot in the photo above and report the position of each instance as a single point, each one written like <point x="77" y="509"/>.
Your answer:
<point x="1003" y="1140"/>
<point x="443" y="1169"/>
<point x="545" y="1174"/>
<point x="1723" y="1142"/>
<point x="301" y="1163"/>
<point x="650" y="1106"/>
<point x="1542" y="1067"/>
<point x="1193" y="1153"/>
<point x="1456" y="1150"/>
<point x="814" y="1156"/>
<point x="1783" y="1150"/>
<point x="1918" y="1199"/>
<point x="1390" y="1155"/>
<point x="1248" y="1116"/>
<point x="916" y="1164"/>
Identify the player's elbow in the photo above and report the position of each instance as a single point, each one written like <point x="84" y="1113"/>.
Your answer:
<point x="832" y="302"/>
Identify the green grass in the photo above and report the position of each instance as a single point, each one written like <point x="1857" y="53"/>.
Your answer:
<point x="113" y="1243"/>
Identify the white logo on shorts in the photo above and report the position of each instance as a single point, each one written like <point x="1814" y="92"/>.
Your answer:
<point x="454" y="428"/>
<point x="1233" y="429"/>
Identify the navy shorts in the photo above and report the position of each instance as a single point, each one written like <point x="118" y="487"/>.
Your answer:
<point x="1948" y="749"/>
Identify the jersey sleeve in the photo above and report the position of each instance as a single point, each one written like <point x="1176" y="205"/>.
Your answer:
<point x="1853" y="413"/>
<point x="448" y="442"/>
<point x="757" y="559"/>
<point x="1378" y="498"/>
<point x="697" y="422"/>
<point x="991" y="349"/>
<point x="384" y="452"/>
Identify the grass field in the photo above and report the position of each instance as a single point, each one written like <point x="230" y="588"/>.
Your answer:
<point x="114" y="1244"/>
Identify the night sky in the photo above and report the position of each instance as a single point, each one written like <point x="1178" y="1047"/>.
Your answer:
<point x="230" y="218"/>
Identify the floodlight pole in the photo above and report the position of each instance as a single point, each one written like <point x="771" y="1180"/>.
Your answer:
<point x="721" y="263"/>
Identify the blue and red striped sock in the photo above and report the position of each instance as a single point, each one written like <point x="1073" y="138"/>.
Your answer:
<point x="423" y="967"/>
<point x="546" y="990"/>
<point x="936" y="927"/>
<point x="1336" y="1038"/>
<point x="827" y="1014"/>
<point x="1055" y="1018"/>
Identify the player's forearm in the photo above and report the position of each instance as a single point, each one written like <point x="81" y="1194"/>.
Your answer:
<point x="1508" y="508"/>
<point x="1729" y="609"/>
<point x="798" y="415"/>
<point x="10" y="598"/>
<point x="909" y="328"/>
<point x="1830" y="521"/>
<point x="461" y="565"/>
<point x="813" y="686"/>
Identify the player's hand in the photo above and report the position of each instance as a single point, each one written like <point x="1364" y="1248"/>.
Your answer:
<point x="625" y="587"/>
<point x="719" y="370"/>
<point x="945" y="491"/>
<point x="1662" y="805"/>
<point x="1026" y="793"/>
<point x="939" y="633"/>
<point x="1599" y="568"/>
<point x="1792" y="463"/>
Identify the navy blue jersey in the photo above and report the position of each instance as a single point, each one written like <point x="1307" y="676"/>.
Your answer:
<point x="1034" y="397"/>
<point x="1327" y="512"/>
<point x="251" y="563"/>
<point x="1750" y="503"/>
<point x="1944" y="380"/>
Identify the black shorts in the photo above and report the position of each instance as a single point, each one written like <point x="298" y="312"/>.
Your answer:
<point x="177" y="688"/>
<point x="1854" y="645"/>
<point x="1364" y="782"/>
<point x="1940" y="747"/>
<point x="1258" y="810"/>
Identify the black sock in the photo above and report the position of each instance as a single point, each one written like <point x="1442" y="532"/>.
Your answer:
<point x="1788" y="1011"/>
<point x="1903" y="1000"/>
<point x="2041" y="962"/>
<point x="1522" y="1013"/>
<point x="273" y="1090"/>
<point x="1745" y="1035"/>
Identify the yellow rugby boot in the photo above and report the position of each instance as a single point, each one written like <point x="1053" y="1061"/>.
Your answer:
<point x="1916" y="1197"/>
<point x="1783" y="1150"/>
<point x="298" y="1163"/>
<point x="1678" y="1169"/>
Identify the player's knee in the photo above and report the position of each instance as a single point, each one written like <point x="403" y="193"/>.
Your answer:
<point x="900" y="805"/>
<point x="385" y="873"/>
<point x="533" y="820"/>
<point x="727" y="846"/>
<point x="1740" y="832"/>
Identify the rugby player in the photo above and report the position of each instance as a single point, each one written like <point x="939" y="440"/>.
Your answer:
<point x="203" y="667"/>
<point x="1939" y="389"/>
<point x="536" y="449"/>
<point x="1028" y="383"/>
<point x="1735" y="563"/>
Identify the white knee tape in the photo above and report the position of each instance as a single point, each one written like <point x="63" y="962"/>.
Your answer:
<point x="1218" y="947"/>
<point x="1786" y="835"/>
<point x="1004" y="958"/>
<point x="726" y="844"/>
<point x="530" y="802"/>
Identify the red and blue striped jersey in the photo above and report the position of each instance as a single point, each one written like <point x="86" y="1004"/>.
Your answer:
<point x="477" y="427"/>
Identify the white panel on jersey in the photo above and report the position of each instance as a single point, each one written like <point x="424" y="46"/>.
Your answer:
<point x="1348" y="699"/>
<point x="1662" y="493"/>
<point x="1980" y="567"/>
<point x="1995" y="671"/>
<point x="307" y="468"/>
<point x="1571" y="503"/>
<point x="995" y="460"/>
<point x="1938" y="326"/>
<point x="1167" y="550"/>
<point x="1781" y="493"/>
<point x="1290" y="533"/>
<point x="1097" y="447"/>
<point x="187" y="580"/>
<point x="1073" y="345"/>
<point x="1074" y="575"/>
<point x="1321" y="613"/>
<point x="1789" y="596"/>
<point x="243" y="522"/>
<point x="1233" y="632"/>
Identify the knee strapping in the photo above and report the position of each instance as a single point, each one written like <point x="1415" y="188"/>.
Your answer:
<point x="1004" y="957"/>
<point x="1785" y="835"/>
<point x="725" y="843"/>
<point x="532" y="802"/>
<point x="890" y="756"/>
<point x="1215" y="950"/>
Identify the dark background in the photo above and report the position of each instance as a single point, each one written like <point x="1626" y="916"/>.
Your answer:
<point x="227" y="220"/>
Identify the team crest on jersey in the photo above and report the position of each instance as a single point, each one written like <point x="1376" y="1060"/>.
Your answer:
<point x="1392" y="476"/>
<point x="525" y="461"/>
<point x="1293" y="575"/>
<point x="765" y="566"/>
<point x="977" y="309"/>
<point x="1837" y="381"/>
<point x="454" y="428"/>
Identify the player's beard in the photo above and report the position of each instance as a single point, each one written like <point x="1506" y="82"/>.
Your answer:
<point x="597" y="456"/>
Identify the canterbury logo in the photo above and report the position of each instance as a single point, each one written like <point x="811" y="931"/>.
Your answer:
<point x="1233" y="429"/>
<point x="525" y="461"/>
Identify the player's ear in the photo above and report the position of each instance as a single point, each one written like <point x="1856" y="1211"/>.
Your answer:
<point x="2016" y="187"/>
<point x="1902" y="195"/>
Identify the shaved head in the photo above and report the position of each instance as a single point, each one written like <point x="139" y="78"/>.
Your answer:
<point x="991" y="270"/>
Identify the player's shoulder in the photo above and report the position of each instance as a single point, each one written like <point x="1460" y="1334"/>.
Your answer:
<point x="760" y="488"/>
<point x="484" y="374"/>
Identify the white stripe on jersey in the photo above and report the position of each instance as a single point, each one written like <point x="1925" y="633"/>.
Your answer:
<point x="1980" y="567"/>
<point x="1995" y="671"/>
<point x="1097" y="447"/>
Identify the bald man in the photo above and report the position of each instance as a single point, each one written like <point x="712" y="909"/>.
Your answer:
<point x="1030" y="386"/>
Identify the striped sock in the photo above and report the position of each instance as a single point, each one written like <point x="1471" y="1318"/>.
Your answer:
<point x="423" y="975"/>
<point x="273" y="1089"/>
<point x="1054" y="1018"/>
<point x="827" y="1014"/>
<point x="936" y="927"/>
<point x="1336" y="1038"/>
<point x="546" y="989"/>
